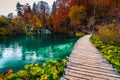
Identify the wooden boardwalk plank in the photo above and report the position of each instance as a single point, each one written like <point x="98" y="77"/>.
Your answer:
<point x="71" y="77"/>
<point x="79" y="75"/>
<point x="93" y="72"/>
<point x="93" y="63"/>
<point x="86" y="63"/>
<point x="93" y="68"/>
<point x="92" y="75"/>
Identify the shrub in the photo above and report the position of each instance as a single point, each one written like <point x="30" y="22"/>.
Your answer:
<point x="51" y="70"/>
<point x="110" y="34"/>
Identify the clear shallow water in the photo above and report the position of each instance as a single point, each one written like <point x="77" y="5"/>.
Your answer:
<point x="16" y="51"/>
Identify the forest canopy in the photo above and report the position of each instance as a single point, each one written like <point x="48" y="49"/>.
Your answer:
<point x="66" y="16"/>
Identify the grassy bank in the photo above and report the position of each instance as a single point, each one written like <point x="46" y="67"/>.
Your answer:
<point x="109" y="51"/>
<point x="50" y="70"/>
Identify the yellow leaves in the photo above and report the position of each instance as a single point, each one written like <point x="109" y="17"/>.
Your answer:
<point x="9" y="77"/>
<point x="38" y="23"/>
<point x="110" y="33"/>
<point x="22" y="73"/>
<point x="64" y="62"/>
<point x="55" y="76"/>
<point x="44" y="64"/>
<point x="17" y="20"/>
<point x="26" y="67"/>
<point x="77" y="13"/>
<point x="44" y="77"/>
<point x="34" y="16"/>
<point x="3" y="21"/>
<point x="51" y="70"/>
<point x="3" y="31"/>
<point x="109" y="51"/>
<point x="36" y="65"/>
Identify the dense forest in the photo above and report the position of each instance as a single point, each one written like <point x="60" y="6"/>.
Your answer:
<point x="67" y="16"/>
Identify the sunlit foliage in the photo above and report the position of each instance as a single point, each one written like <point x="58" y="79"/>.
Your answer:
<point x="77" y="14"/>
<point x="50" y="70"/>
<point x="110" y="34"/>
<point x="110" y="52"/>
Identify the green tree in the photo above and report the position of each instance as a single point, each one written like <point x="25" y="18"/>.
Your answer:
<point x="19" y="9"/>
<point x="34" y="7"/>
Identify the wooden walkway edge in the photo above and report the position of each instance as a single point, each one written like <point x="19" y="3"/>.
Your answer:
<point x="86" y="63"/>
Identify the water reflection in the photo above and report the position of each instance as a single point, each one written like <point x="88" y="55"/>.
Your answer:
<point x="17" y="51"/>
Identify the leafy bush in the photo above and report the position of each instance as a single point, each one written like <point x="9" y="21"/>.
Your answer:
<point x="51" y="70"/>
<point x="110" y="34"/>
<point x="110" y="52"/>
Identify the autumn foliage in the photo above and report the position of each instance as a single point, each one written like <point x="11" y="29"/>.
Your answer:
<point x="102" y="10"/>
<point x="110" y="33"/>
<point x="66" y="15"/>
<point x="76" y="14"/>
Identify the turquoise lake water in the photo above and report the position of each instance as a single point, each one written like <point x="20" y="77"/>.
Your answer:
<point x="16" y="51"/>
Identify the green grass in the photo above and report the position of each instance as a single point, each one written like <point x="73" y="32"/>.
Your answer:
<point x="109" y="51"/>
<point x="79" y="34"/>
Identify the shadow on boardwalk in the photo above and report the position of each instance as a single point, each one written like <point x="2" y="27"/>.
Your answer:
<point x="86" y="63"/>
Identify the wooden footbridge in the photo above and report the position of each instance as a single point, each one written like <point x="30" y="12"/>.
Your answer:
<point x="86" y="63"/>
